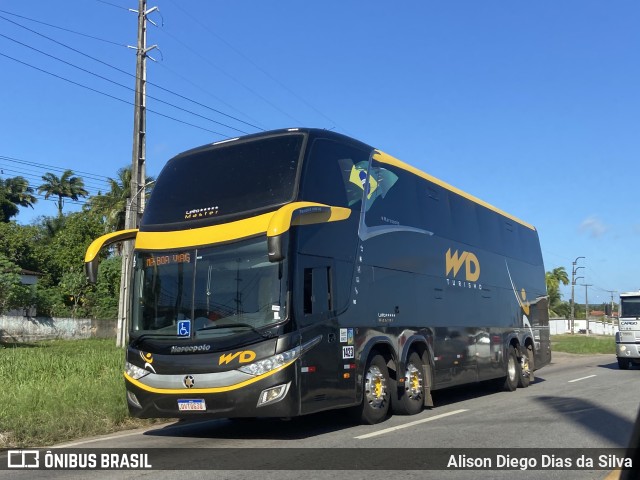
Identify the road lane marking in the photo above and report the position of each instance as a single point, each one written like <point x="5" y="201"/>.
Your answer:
<point x="410" y="424"/>
<point x="583" y="378"/>
<point x="139" y="431"/>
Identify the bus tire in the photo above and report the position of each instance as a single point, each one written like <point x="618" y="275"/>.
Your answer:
<point x="410" y="396"/>
<point x="526" y="368"/>
<point x="623" y="363"/>
<point x="376" y="391"/>
<point x="513" y="370"/>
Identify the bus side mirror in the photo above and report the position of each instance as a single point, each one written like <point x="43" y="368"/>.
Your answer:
<point x="91" y="257"/>
<point x="277" y="246"/>
<point x="298" y="213"/>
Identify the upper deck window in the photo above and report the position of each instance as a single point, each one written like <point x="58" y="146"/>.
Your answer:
<point x="226" y="179"/>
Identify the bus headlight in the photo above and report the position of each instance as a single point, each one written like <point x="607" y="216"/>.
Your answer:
<point x="135" y="372"/>
<point x="268" y="364"/>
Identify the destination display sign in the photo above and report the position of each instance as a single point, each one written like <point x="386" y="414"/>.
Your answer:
<point x="159" y="260"/>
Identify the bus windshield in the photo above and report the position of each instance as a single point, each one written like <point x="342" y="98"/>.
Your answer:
<point x="630" y="307"/>
<point x="225" y="180"/>
<point x="208" y="291"/>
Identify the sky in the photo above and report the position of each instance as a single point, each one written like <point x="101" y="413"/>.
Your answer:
<point x="531" y="106"/>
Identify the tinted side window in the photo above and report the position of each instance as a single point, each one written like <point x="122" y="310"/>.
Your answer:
<point x="330" y="174"/>
<point x="464" y="220"/>
<point x="392" y="198"/>
<point x="434" y="208"/>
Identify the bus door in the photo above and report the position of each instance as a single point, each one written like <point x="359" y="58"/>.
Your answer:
<point x="321" y="366"/>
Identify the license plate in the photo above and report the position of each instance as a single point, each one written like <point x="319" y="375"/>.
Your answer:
<point x="191" y="405"/>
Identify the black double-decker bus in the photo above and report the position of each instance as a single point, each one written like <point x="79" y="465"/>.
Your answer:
<point x="299" y="270"/>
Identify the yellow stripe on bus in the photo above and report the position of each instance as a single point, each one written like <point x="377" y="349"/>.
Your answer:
<point x="189" y="391"/>
<point x="247" y="227"/>
<point x="272" y="223"/>
<point x="388" y="159"/>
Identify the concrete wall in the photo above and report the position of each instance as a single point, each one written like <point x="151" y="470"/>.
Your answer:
<point x="559" y="326"/>
<point x="30" y="329"/>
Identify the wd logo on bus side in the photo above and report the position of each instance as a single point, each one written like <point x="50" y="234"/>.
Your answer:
<point x="454" y="263"/>
<point x="245" y="356"/>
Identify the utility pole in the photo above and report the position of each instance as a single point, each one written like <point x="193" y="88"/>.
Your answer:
<point x="136" y="202"/>
<point x="611" y="292"/>
<point x="573" y="285"/>
<point x="586" y="303"/>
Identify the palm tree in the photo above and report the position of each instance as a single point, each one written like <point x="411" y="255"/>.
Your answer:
<point x="15" y="192"/>
<point x="66" y="186"/>
<point x="112" y="206"/>
<point x="553" y="280"/>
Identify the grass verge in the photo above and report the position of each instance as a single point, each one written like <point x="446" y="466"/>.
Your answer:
<point x="60" y="390"/>
<point x="579" y="343"/>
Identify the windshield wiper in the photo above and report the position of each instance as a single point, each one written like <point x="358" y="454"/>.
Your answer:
<point x="136" y="341"/>
<point x="231" y="325"/>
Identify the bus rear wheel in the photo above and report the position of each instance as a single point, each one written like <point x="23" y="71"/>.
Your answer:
<point x="513" y="370"/>
<point x="526" y="368"/>
<point x="410" y="399"/>
<point x="376" y="393"/>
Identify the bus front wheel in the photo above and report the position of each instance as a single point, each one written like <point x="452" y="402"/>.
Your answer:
<point x="376" y="392"/>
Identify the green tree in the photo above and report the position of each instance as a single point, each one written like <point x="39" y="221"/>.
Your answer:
<point x="14" y="192"/>
<point x="22" y="244"/>
<point x="102" y="301"/>
<point x="66" y="186"/>
<point x="112" y="206"/>
<point x="553" y="280"/>
<point x="9" y="283"/>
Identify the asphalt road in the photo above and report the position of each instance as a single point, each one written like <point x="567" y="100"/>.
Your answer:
<point x="577" y="403"/>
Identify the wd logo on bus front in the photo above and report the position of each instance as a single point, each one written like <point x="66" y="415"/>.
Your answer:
<point x="245" y="356"/>
<point x="454" y="263"/>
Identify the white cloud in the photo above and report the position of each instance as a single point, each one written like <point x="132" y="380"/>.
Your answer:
<point x="593" y="226"/>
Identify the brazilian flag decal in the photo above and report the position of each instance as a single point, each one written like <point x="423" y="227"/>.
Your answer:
<point x="358" y="177"/>
<point x="380" y="181"/>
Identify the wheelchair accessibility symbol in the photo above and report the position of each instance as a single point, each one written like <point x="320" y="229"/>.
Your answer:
<point x="184" y="328"/>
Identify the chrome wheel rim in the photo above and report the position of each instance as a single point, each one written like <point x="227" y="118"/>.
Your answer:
<point x="511" y="368"/>
<point x="375" y="387"/>
<point x="413" y="382"/>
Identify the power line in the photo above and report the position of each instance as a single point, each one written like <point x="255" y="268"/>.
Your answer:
<point x="132" y="75"/>
<point x="53" y="167"/>
<point x="114" y="5"/>
<point x="64" y="29"/>
<point x="192" y="83"/>
<point x="108" y="95"/>
<point x="255" y="65"/>
<point x="273" y="105"/>
<point x="119" y="84"/>
<point x="35" y="177"/>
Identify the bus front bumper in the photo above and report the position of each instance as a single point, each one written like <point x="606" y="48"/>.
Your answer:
<point x="209" y="395"/>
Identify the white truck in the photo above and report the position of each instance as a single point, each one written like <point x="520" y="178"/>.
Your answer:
<point x="628" y="336"/>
